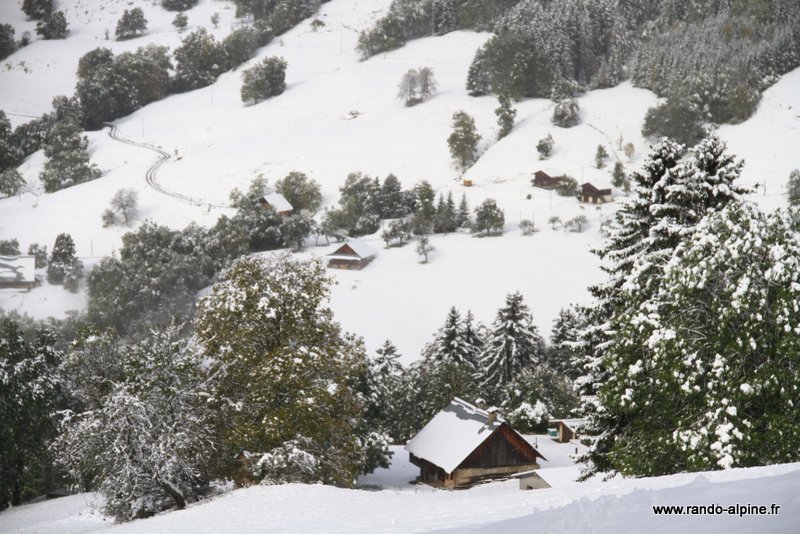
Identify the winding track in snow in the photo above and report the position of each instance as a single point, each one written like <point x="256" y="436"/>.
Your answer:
<point x="152" y="171"/>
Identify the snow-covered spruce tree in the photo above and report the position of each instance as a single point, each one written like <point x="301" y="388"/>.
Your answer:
<point x="450" y="343"/>
<point x="512" y="344"/>
<point x="68" y="162"/>
<point x="131" y="24"/>
<point x="505" y="116"/>
<point x="11" y="181"/>
<point x="463" y="218"/>
<point x="264" y="80"/>
<point x="424" y="210"/>
<point x="282" y="370"/>
<point x="670" y="199"/>
<point x="150" y="440"/>
<point x="463" y="142"/>
<point x="719" y="384"/>
<point x="562" y="352"/>
<point x="537" y="395"/>
<point x="383" y="391"/>
<point x="27" y="399"/>
<point x="444" y="221"/>
<point x="392" y="199"/>
<point x="7" y="43"/>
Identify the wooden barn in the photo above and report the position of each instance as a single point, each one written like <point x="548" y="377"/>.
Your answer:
<point x="277" y="202"/>
<point x="544" y="181"/>
<point x="355" y="254"/>
<point x="18" y="272"/>
<point x="567" y="429"/>
<point x="464" y="444"/>
<point x="591" y="194"/>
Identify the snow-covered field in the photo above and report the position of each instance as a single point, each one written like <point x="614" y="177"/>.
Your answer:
<point x="499" y="507"/>
<point x="340" y="115"/>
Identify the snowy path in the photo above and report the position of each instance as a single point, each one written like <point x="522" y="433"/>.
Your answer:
<point x="152" y="172"/>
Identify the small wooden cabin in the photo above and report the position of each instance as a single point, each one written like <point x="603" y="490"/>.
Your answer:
<point x="277" y="202"/>
<point x="464" y="444"/>
<point x="544" y="181"/>
<point x="355" y="254"/>
<point x="567" y="429"/>
<point x="18" y="272"/>
<point x="591" y="194"/>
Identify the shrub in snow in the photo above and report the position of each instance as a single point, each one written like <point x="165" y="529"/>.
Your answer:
<point x="567" y="113"/>
<point x="567" y="186"/>
<point x="40" y="253"/>
<point x="424" y="248"/>
<point x="9" y="247"/>
<point x="527" y="227"/>
<point x="488" y="218"/>
<point x="264" y="80"/>
<point x="53" y="26"/>
<point x="545" y="146"/>
<point x="131" y="24"/>
<point x="577" y="223"/>
<point x="37" y="9"/>
<point x="287" y="463"/>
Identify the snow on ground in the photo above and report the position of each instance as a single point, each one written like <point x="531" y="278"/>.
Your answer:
<point x="619" y="505"/>
<point x="340" y="115"/>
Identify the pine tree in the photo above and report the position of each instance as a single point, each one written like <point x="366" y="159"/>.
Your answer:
<point x="445" y="16"/>
<point x="473" y="338"/>
<point x="131" y="24"/>
<point x="426" y="83"/>
<point x="392" y="203"/>
<point x="7" y="43"/>
<point x="463" y="142"/>
<point x="513" y="344"/>
<point x="545" y="146"/>
<point x="180" y="21"/>
<point x="463" y="218"/>
<point x="62" y="259"/>
<point x="452" y="343"/>
<point x="424" y="248"/>
<point x="11" y="181"/>
<point x="600" y="156"/>
<point x="10" y="155"/>
<point x="408" y="88"/>
<point x="562" y="353"/>
<point x="505" y="116"/>
<point x="618" y="177"/>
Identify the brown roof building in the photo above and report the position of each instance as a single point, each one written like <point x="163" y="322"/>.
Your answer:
<point x="589" y="193"/>
<point x="545" y="181"/>
<point x="355" y="254"/>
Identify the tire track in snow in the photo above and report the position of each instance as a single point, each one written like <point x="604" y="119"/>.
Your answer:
<point x="152" y="172"/>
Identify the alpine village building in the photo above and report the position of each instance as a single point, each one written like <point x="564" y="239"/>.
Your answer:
<point x="591" y="194"/>
<point x="354" y="254"/>
<point x="277" y="202"/>
<point x="463" y="445"/>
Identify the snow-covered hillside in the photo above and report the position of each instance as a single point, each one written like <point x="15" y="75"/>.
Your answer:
<point x="340" y="115"/>
<point x="619" y="506"/>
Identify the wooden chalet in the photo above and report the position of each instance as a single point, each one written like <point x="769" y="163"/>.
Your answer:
<point x="18" y="272"/>
<point x="567" y="429"/>
<point x="277" y="202"/>
<point x="591" y="194"/>
<point x="544" y="181"/>
<point x="464" y="444"/>
<point x="354" y="254"/>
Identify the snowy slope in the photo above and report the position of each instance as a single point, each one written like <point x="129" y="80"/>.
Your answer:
<point x="614" y="506"/>
<point x="340" y="115"/>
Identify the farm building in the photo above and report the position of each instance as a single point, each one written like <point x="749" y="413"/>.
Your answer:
<point x="277" y="202"/>
<point x="545" y="181"/>
<point x="589" y="193"/>
<point x="355" y="254"/>
<point x="567" y="429"/>
<point x="464" y="444"/>
<point x="18" y="272"/>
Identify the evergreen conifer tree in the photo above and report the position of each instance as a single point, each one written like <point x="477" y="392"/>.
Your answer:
<point x="131" y="24"/>
<point x="463" y="142"/>
<point x="512" y="345"/>
<point x="451" y="343"/>
<point x="505" y="116"/>
<point x="793" y="188"/>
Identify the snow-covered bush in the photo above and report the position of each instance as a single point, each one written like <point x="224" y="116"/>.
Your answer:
<point x="264" y="80"/>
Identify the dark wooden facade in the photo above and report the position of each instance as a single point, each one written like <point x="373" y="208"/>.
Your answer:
<point x="564" y="433"/>
<point x="265" y="204"/>
<point x="593" y="195"/>
<point x="503" y="453"/>
<point x="545" y="181"/>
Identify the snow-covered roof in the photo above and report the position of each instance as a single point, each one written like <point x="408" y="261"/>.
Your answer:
<point x="17" y="269"/>
<point x="453" y="434"/>
<point x="363" y="250"/>
<point x="573" y="424"/>
<point x="278" y="202"/>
